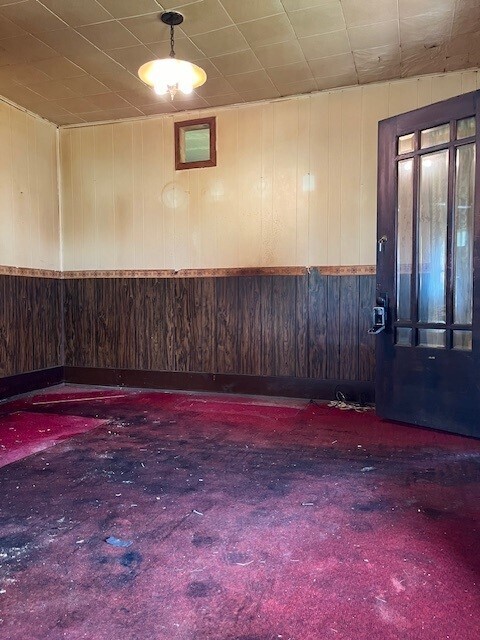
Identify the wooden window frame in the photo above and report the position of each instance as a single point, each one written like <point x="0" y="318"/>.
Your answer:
<point x="212" y="161"/>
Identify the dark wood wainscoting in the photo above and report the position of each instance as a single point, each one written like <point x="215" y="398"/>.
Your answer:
<point x="31" y="319"/>
<point x="311" y="326"/>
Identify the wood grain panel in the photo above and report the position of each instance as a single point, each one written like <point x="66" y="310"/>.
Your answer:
<point x="333" y="327"/>
<point x="366" y="342"/>
<point x="283" y="333"/>
<point x="249" y="311"/>
<point x="155" y="344"/>
<point x="349" y="304"/>
<point x="194" y="322"/>
<point x="310" y="326"/>
<point x="317" y="324"/>
<point x="126" y="294"/>
<point x="107" y="314"/>
<point x="227" y="334"/>
<point x="302" y="323"/>
<point x="30" y="324"/>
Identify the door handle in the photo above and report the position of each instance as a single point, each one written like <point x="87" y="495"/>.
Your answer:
<point x="379" y="315"/>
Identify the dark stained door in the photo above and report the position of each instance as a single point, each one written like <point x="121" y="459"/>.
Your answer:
<point x="428" y="261"/>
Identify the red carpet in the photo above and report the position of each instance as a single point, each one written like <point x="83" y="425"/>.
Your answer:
<point x="249" y="520"/>
<point x="24" y="433"/>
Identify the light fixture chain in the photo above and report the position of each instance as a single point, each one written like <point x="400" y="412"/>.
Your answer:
<point x="172" y="42"/>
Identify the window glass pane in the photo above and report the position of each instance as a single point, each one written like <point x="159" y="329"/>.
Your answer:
<point x="403" y="337"/>
<point x="436" y="135"/>
<point x="432" y="338"/>
<point x="406" y="143"/>
<point x="404" y="238"/>
<point x="465" y="128"/>
<point x="463" y="244"/>
<point x="196" y="144"/>
<point x="462" y="340"/>
<point x="432" y="236"/>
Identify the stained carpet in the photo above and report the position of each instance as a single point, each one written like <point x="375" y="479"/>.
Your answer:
<point x="245" y="519"/>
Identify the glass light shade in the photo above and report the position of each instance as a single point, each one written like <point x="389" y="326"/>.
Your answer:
<point x="172" y="75"/>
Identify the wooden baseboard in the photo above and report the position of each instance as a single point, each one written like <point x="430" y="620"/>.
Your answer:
<point x="185" y="381"/>
<point x="223" y="383"/>
<point x="31" y="381"/>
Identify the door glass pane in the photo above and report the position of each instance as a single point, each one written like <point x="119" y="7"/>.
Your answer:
<point x="436" y="135"/>
<point x="406" y="143"/>
<point x="404" y="238"/>
<point x="432" y="236"/>
<point x="432" y="338"/>
<point x="403" y="337"/>
<point x="462" y="340"/>
<point x="463" y="244"/>
<point x="465" y="128"/>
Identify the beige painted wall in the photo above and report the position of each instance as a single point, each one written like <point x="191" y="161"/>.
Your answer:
<point x="295" y="183"/>
<point x="29" y="220"/>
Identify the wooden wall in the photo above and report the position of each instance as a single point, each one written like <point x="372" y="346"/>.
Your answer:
<point x="295" y="183"/>
<point x="304" y="326"/>
<point x="30" y="324"/>
<point x="29" y="212"/>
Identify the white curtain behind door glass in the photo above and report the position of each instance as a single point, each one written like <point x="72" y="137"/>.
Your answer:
<point x="432" y="237"/>
<point x="463" y="245"/>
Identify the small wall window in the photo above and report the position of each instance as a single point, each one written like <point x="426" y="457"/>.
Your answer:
<point x="195" y="144"/>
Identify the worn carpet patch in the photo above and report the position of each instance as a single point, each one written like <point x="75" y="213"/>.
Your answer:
<point x="237" y="519"/>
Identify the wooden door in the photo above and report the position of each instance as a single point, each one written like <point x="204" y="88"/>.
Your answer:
<point x="428" y="261"/>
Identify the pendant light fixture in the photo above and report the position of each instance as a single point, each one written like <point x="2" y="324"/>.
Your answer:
<point x="170" y="75"/>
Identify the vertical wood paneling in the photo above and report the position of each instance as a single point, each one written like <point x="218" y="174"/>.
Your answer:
<point x="317" y="324"/>
<point x="374" y="109"/>
<point x="319" y="162"/>
<point x="125" y="291"/>
<point x="267" y="137"/>
<point x="334" y="189"/>
<point x="23" y="218"/>
<point x="302" y="322"/>
<point x="333" y="328"/>
<point x="30" y="324"/>
<point x="204" y="319"/>
<point x="446" y="86"/>
<point x="107" y="323"/>
<point x="295" y="183"/>
<point x="153" y="163"/>
<point x="155" y="350"/>
<point x="350" y="222"/>
<point x="194" y="323"/>
<point x="305" y="326"/>
<point x="285" y="163"/>
<point x="219" y="233"/>
<point x="123" y="195"/>
<point x="227" y="334"/>
<point x="349" y="304"/>
<point x="105" y="233"/>
<point x="7" y="221"/>
<point x="184" y="333"/>
<point x="249" y="311"/>
<point x="366" y="342"/>
<point x="249" y="171"/>
<point x="284" y="330"/>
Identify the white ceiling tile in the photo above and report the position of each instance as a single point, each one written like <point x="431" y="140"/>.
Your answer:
<point x="322" y="19"/>
<point x="369" y="11"/>
<point x="325" y="44"/>
<point x="333" y="65"/>
<point x="374" y="35"/>
<point x="247" y="10"/>
<point x="220" y="42"/>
